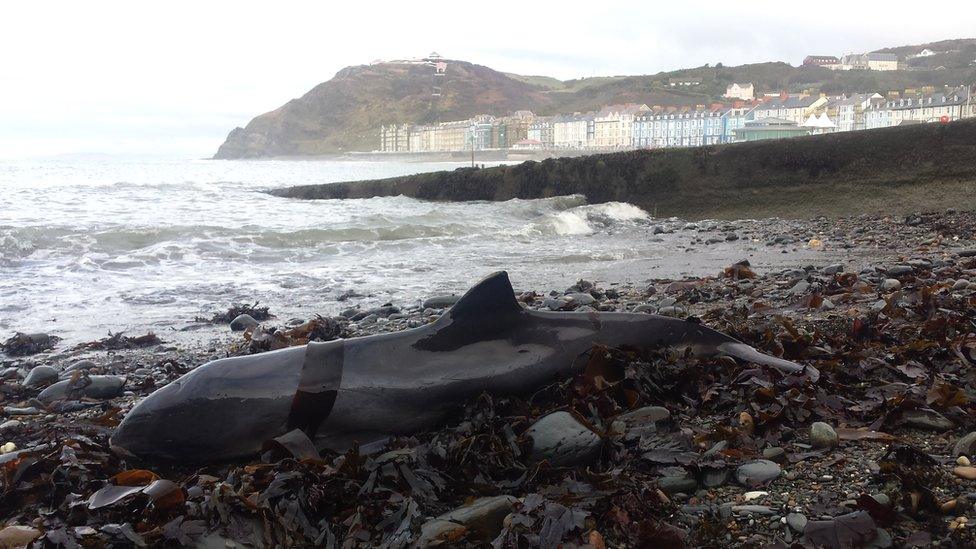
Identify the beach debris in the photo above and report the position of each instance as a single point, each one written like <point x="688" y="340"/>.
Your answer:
<point x="671" y="423"/>
<point x="252" y="310"/>
<point x="21" y="344"/>
<point x="120" y="341"/>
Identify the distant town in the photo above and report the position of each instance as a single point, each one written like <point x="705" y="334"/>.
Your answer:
<point x="742" y="115"/>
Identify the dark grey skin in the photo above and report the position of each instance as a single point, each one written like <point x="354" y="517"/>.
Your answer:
<point x="358" y="390"/>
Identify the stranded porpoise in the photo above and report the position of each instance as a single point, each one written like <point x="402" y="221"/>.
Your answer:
<point x="362" y="389"/>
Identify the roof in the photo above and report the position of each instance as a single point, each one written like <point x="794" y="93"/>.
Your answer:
<point x="882" y="57"/>
<point x="791" y="102"/>
<point x="769" y="122"/>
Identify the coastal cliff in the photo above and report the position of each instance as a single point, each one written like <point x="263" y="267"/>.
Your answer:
<point x="892" y="170"/>
<point x="345" y="113"/>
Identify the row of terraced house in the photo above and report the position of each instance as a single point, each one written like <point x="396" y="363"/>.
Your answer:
<point x="640" y="126"/>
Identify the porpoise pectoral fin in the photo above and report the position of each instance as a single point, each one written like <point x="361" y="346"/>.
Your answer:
<point x="740" y="350"/>
<point x="484" y="312"/>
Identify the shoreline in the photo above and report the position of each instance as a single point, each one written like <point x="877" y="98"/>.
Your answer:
<point x="891" y="339"/>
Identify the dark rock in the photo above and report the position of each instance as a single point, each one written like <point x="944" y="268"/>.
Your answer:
<point x="243" y="322"/>
<point x="900" y="270"/>
<point x="796" y="521"/>
<point x="383" y="311"/>
<point x="966" y="253"/>
<point x="757" y="473"/>
<point x="753" y="510"/>
<point x="90" y="387"/>
<point x="481" y="521"/>
<point x="713" y="477"/>
<point x="924" y="418"/>
<point x="562" y="440"/>
<point x="40" y="376"/>
<point x="890" y="285"/>
<point x="833" y="269"/>
<point x="581" y="298"/>
<point x="684" y="484"/>
<point x="822" y="435"/>
<point x="80" y="365"/>
<point x="965" y="446"/>
<point x="441" y="301"/>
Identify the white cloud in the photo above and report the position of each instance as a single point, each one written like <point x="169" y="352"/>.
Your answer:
<point x="86" y="76"/>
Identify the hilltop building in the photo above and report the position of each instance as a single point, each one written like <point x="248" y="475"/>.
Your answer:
<point x="745" y="92"/>
<point x="828" y="61"/>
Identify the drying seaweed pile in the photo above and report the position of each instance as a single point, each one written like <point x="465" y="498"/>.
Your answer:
<point x="652" y="450"/>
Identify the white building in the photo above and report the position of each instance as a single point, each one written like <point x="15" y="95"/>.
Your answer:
<point x="794" y="108"/>
<point x="950" y="104"/>
<point x="572" y="131"/>
<point x="613" y="126"/>
<point x="850" y="110"/>
<point x="745" y="92"/>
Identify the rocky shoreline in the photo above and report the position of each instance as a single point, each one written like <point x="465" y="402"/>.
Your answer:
<point x="635" y="451"/>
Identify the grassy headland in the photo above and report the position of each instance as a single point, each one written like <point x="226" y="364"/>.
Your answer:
<point x="893" y="170"/>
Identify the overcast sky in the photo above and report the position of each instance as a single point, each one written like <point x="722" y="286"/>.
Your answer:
<point x="172" y="78"/>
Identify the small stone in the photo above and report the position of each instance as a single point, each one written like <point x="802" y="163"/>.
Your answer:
<point x="481" y="520"/>
<point x="676" y="484"/>
<point x="715" y="477"/>
<point x="16" y="536"/>
<point x="800" y="288"/>
<point x="832" y="269"/>
<point x="581" y="298"/>
<point x="961" y="460"/>
<point x="646" y="418"/>
<point x="441" y="301"/>
<point x="562" y="440"/>
<point x="753" y="510"/>
<point x="965" y="446"/>
<point x="890" y="285"/>
<point x="243" y="322"/>
<point x="7" y="447"/>
<point x="822" y="435"/>
<point x="774" y="453"/>
<point x="924" y="418"/>
<point x="40" y="376"/>
<point x="96" y="387"/>
<point x="749" y="496"/>
<point x="672" y="311"/>
<point x="968" y="472"/>
<point x="10" y="424"/>
<point x="900" y="270"/>
<point x="882" y="499"/>
<point x="881" y="541"/>
<point x="757" y="473"/>
<point x="80" y="365"/>
<point x="960" y="284"/>
<point x="796" y="521"/>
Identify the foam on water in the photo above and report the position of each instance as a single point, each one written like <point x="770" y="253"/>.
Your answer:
<point x="93" y="245"/>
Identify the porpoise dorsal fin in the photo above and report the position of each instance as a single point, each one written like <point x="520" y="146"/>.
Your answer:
<point x="483" y="312"/>
<point x="492" y="296"/>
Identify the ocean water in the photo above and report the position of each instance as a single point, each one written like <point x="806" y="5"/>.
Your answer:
<point x="93" y="245"/>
